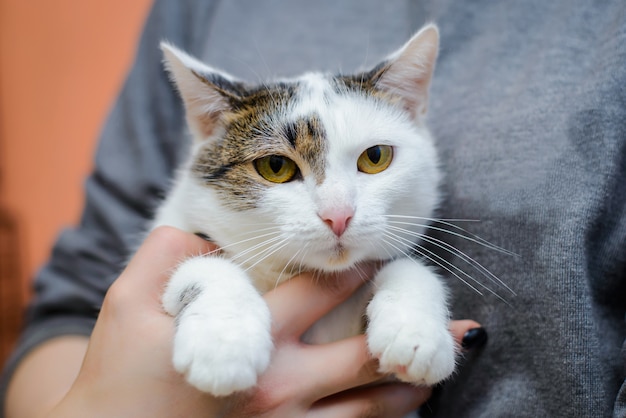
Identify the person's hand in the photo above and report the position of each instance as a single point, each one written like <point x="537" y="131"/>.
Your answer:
<point x="127" y="370"/>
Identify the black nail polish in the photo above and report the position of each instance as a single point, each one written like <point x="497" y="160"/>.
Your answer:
<point x="203" y="236"/>
<point x="474" y="338"/>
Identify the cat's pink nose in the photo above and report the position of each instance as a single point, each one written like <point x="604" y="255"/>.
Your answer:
<point x="337" y="219"/>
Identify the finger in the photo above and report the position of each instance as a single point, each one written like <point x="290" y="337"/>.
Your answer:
<point x="389" y="400"/>
<point x="468" y="334"/>
<point x="151" y="266"/>
<point x="353" y="365"/>
<point x="165" y="248"/>
<point x="298" y="303"/>
<point x="339" y="366"/>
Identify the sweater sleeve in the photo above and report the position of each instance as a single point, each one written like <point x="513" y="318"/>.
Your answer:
<point x="141" y="144"/>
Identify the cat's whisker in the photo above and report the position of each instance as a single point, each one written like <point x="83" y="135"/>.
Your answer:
<point x="255" y="254"/>
<point x="473" y="238"/>
<point x="361" y="272"/>
<point x="431" y="260"/>
<point x="301" y="266"/>
<point x="456" y="252"/>
<point x="258" y="249"/>
<point x="421" y="249"/>
<point x="268" y="252"/>
<point x="271" y="238"/>
<point x="464" y="234"/>
<point x="253" y="238"/>
<point x="262" y="80"/>
<point x="448" y="266"/>
<point x="249" y="67"/>
<point x="306" y="128"/>
<point x="210" y="253"/>
<point x="367" y="51"/>
<point x="255" y="232"/>
<point x="287" y="264"/>
<point x="389" y="256"/>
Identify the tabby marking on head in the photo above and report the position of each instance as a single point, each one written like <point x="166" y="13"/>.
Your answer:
<point x="317" y="173"/>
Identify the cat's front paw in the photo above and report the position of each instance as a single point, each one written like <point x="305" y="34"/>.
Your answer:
<point x="408" y="324"/>
<point x="222" y="341"/>
<point x="420" y="352"/>
<point x="220" y="356"/>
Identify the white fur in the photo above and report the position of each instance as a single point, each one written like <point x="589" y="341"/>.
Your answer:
<point x="223" y="338"/>
<point x="408" y="317"/>
<point x="231" y="362"/>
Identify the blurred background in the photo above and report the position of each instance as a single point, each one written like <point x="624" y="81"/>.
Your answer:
<point x="62" y="63"/>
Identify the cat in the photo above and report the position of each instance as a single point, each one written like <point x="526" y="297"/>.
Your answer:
<point x="317" y="173"/>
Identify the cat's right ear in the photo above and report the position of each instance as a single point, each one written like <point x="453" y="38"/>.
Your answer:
<point x="206" y="92"/>
<point x="407" y="73"/>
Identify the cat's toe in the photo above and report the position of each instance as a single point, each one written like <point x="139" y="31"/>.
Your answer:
<point x="433" y="360"/>
<point x="222" y="378"/>
<point x="218" y="346"/>
<point x="217" y="361"/>
<point x="417" y="355"/>
<point x="219" y="367"/>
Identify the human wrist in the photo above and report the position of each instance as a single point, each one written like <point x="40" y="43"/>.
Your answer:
<point x="95" y="399"/>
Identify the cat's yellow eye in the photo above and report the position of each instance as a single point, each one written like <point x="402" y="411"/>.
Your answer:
<point x="375" y="159"/>
<point x="276" y="168"/>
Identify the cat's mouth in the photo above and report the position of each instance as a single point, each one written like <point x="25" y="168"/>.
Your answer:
<point x="339" y="256"/>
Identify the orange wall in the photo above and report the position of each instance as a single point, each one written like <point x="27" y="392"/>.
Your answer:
<point x="62" y="63"/>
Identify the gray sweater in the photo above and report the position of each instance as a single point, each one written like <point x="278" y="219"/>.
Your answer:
<point x="529" y="110"/>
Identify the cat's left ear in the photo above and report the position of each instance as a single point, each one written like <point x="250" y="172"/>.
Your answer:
<point x="407" y="73"/>
<point x="206" y="92"/>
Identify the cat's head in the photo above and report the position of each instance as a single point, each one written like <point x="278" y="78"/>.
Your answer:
<point x="317" y="172"/>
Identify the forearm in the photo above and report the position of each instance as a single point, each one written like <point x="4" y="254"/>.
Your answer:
<point x="45" y="375"/>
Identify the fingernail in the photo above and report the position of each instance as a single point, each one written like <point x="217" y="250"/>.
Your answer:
<point x="474" y="338"/>
<point x="203" y="236"/>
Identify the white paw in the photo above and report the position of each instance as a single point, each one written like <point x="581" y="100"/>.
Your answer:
<point x="221" y="355"/>
<point x="419" y="352"/>
<point x="222" y="341"/>
<point x="408" y="324"/>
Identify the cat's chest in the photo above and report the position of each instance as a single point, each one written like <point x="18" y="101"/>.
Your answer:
<point x="347" y="319"/>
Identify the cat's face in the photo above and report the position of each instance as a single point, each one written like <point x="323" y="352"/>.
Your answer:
<point x="318" y="172"/>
